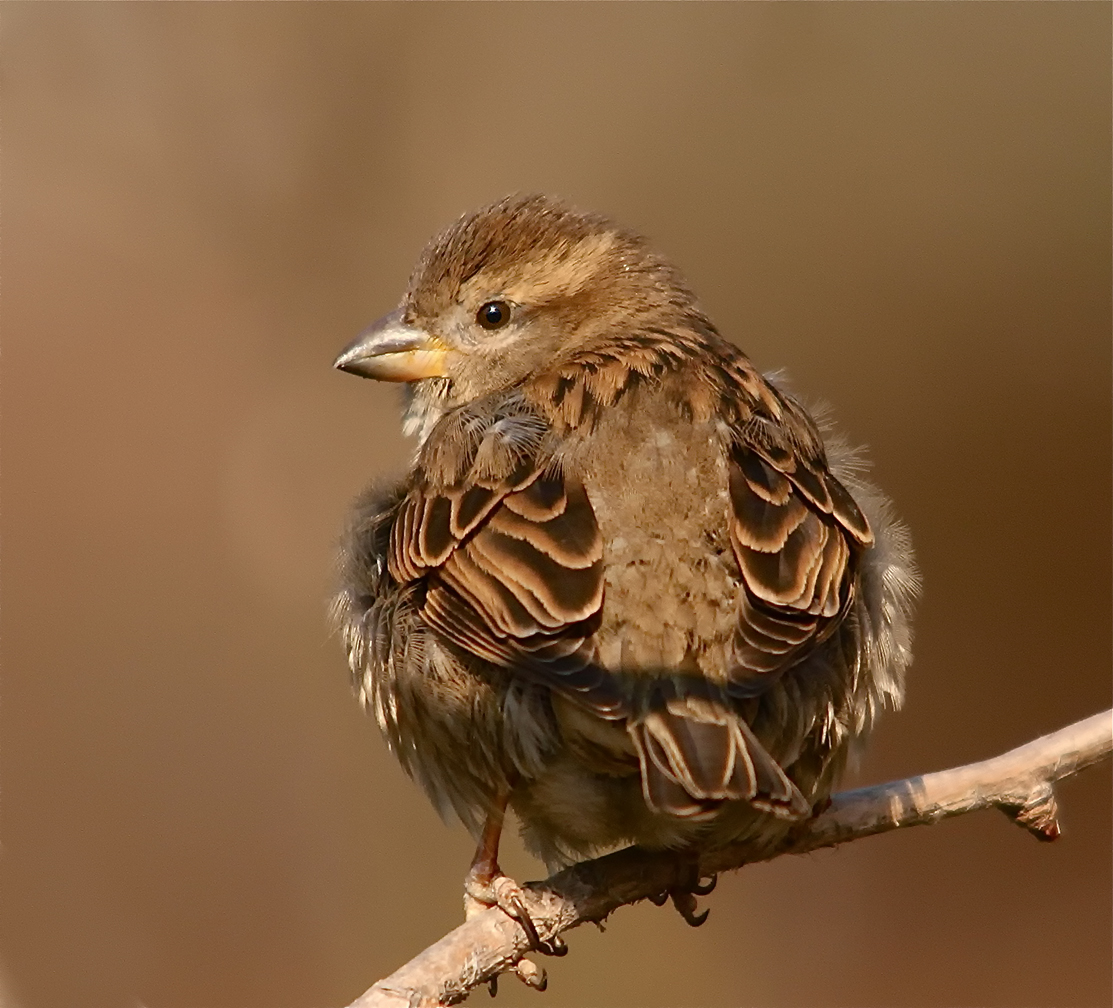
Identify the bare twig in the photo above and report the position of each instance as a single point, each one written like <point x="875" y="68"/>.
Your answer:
<point x="1020" y="783"/>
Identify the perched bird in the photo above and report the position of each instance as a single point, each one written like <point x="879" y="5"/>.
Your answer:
<point x="625" y="588"/>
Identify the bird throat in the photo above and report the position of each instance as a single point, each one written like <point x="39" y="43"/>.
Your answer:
<point x="425" y="403"/>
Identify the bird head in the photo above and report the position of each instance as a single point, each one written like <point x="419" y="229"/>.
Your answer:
<point x="510" y="290"/>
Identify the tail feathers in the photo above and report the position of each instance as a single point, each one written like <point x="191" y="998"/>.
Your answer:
<point x="775" y="792"/>
<point x="691" y="764"/>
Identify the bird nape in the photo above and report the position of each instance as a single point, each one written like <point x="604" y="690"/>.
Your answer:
<point x="627" y="588"/>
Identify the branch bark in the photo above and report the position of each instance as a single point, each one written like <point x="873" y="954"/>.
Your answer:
<point x="1019" y="782"/>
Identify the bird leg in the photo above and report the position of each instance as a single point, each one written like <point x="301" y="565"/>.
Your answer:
<point x="487" y="886"/>
<point x="684" y="896"/>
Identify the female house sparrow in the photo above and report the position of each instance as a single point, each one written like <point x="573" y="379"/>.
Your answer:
<point x="625" y="587"/>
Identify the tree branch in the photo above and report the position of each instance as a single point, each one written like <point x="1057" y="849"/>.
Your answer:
<point x="1019" y="782"/>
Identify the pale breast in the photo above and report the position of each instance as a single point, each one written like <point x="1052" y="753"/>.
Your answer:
<point x="658" y="486"/>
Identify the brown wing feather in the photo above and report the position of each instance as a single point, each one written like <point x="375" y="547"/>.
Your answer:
<point x="512" y="559"/>
<point x="796" y="534"/>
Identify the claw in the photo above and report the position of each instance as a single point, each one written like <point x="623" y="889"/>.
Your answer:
<point x="706" y="889"/>
<point x="516" y="908"/>
<point x="525" y="970"/>
<point x="695" y="919"/>
<point x="684" y="895"/>
<point x="531" y="974"/>
<point x="506" y="894"/>
<point x="555" y="946"/>
<point x="685" y="903"/>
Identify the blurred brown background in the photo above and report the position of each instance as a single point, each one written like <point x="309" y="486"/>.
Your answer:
<point x="905" y="205"/>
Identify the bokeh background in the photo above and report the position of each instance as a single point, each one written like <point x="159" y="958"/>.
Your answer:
<point x="907" y="206"/>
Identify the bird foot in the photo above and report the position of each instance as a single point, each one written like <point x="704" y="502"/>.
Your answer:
<point x="684" y="897"/>
<point x="503" y="892"/>
<point x="525" y="970"/>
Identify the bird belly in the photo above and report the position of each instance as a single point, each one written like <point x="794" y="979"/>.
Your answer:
<point x="570" y="811"/>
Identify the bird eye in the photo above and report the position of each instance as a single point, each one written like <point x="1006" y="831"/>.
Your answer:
<point x="493" y="315"/>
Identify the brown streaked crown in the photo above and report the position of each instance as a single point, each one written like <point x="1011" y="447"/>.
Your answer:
<point x="539" y="251"/>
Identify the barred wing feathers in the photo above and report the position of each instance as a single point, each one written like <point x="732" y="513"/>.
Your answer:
<point x="512" y="558"/>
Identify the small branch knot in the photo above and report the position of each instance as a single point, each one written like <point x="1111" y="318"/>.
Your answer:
<point x="1038" y="814"/>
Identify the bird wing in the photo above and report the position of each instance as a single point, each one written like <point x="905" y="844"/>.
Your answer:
<point x="796" y="534"/>
<point x="511" y="556"/>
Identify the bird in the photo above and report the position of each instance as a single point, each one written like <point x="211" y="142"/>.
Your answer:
<point x="629" y="588"/>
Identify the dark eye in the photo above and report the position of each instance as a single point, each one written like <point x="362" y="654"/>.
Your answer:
<point x="493" y="315"/>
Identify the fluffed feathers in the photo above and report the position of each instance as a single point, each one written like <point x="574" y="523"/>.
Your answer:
<point x="623" y="577"/>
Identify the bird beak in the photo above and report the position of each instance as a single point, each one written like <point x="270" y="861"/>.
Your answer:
<point x="391" y="350"/>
